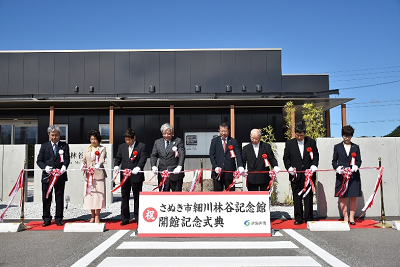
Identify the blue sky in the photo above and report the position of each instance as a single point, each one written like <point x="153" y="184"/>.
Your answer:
<point x="356" y="42"/>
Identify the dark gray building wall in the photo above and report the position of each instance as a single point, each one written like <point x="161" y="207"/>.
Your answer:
<point x="305" y="83"/>
<point x="133" y="72"/>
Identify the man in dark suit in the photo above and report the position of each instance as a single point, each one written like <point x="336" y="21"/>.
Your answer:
<point x="53" y="154"/>
<point x="223" y="159"/>
<point x="170" y="152"/>
<point x="253" y="154"/>
<point x="297" y="154"/>
<point x="130" y="155"/>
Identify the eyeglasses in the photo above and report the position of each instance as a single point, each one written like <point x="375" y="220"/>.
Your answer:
<point x="169" y="133"/>
<point x="255" y="138"/>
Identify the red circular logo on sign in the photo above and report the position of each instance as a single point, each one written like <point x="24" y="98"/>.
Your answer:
<point x="150" y="214"/>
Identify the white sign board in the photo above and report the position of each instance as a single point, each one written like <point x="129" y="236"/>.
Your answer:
<point x="204" y="214"/>
<point x="198" y="143"/>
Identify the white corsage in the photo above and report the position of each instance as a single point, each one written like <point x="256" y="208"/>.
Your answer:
<point x="61" y="152"/>
<point x="175" y="149"/>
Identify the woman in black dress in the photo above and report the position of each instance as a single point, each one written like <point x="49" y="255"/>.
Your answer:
<point x="346" y="161"/>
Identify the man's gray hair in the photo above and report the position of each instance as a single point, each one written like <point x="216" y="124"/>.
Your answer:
<point x="53" y="128"/>
<point x="257" y="131"/>
<point x="166" y="126"/>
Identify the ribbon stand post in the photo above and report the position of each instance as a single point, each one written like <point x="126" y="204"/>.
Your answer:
<point x="24" y="191"/>
<point x="201" y="179"/>
<point x="383" y="223"/>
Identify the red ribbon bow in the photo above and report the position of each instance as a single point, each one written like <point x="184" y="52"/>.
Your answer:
<point x="345" y="182"/>
<point x="353" y="158"/>
<point x="233" y="155"/>
<point x="97" y="153"/>
<point x="236" y="175"/>
<point x="270" y="187"/>
<point x="266" y="162"/>
<point x="54" y="177"/>
<point x="127" y="173"/>
<point x="134" y="153"/>
<point x="164" y="178"/>
<point x="89" y="173"/>
<point x="307" y="181"/>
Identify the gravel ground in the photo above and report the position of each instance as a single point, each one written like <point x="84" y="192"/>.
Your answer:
<point x="112" y="212"/>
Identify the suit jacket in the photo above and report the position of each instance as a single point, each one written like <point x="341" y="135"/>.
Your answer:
<point x="340" y="157"/>
<point x="258" y="164"/>
<point x="124" y="159"/>
<point x="46" y="157"/>
<point x="89" y="158"/>
<point x="222" y="159"/>
<point x="166" y="158"/>
<point x="292" y="158"/>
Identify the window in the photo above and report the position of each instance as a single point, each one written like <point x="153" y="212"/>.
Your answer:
<point x="105" y="133"/>
<point x="64" y="132"/>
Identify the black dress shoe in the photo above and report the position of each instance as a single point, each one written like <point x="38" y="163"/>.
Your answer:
<point x="124" y="223"/>
<point x="59" y="223"/>
<point x="352" y="223"/>
<point x="46" y="223"/>
<point x="297" y="222"/>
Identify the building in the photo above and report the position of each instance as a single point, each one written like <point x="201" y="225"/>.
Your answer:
<point x="113" y="90"/>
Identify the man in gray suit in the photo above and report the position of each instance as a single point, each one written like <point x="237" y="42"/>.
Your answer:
<point x="171" y="154"/>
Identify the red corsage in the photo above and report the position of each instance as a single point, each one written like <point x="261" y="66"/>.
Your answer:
<point x="97" y="153"/>
<point x="266" y="162"/>
<point x="309" y="150"/>
<point x="233" y="155"/>
<point x="353" y="158"/>
<point x="134" y="155"/>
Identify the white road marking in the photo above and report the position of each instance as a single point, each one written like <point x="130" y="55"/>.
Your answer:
<point x="207" y="245"/>
<point x="209" y="261"/>
<point x="92" y="255"/>
<point x="330" y="259"/>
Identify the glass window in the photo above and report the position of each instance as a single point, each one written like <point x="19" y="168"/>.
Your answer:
<point x="105" y="133"/>
<point x="64" y="132"/>
<point x="25" y="135"/>
<point x="5" y="134"/>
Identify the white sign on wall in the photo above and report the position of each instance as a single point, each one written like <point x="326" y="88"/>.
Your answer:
<point x="198" y="143"/>
<point x="204" y="214"/>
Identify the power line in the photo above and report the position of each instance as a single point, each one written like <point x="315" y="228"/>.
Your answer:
<point x="379" y="68"/>
<point x="371" y="78"/>
<point x="369" y="85"/>
<point x="377" y="121"/>
<point x="368" y="73"/>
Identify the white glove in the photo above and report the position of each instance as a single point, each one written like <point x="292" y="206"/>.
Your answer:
<point x="339" y="170"/>
<point x="277" y="169"/>
<point x="244" y="173"/>
<point x="154" y="169"/>
<point x="241" y="169"/>
<point x="97" y="166"/>
<point x="218" y="170"/>
<point x="354" y="168"/>
<point x="116" y="169"/>
<point x="48" y="169"/>
<point x="136" y="170"/>
<point x="177" y="170"/>
<point x="63" y="169"/>
<point x="313" y="168"/>
<point x="291" y="171"/>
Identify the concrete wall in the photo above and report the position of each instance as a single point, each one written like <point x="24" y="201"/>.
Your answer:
<point x="12" y="159"/>
<point x="75" y="186"/>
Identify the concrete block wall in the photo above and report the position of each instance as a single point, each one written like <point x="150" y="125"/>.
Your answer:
<point x="12" y="159"/>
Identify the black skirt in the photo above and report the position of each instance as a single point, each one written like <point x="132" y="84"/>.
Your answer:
<point x="354" y="186"/>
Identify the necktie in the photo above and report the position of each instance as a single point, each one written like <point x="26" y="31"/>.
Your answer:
<point x="166" y="148"/>
<point x="55" y="149"/>
<point x="224" y="145"/>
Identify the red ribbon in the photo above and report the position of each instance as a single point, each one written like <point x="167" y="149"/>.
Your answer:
<point x="236" y="175"/>
<point x="233" y="155"/>
<point x="134" y="153"/>
<point x="127" y="173"/>
<point x="270" y="187"/>
<point x="89" y="183"/>
<point x="266" y="162"/>
<point x="55" y="174"/>
<point x="370" y="200"/>
<point x="345" y="182"/>
<point x="196" y="179"/>
<point x="19" y="184"/>
<point x="97" y="153"/>
<point x="308" y="180"/>
<point x="164" y="178"/>
<point x="309" y="150"/>
<point x="353" y="158"/>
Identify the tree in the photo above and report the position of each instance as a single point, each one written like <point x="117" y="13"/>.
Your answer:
<point x="313" y="119"/>
<point x="289" y="109"/>
<point x="394" y="133"/>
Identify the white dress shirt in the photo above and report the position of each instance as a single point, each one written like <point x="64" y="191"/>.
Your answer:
<point x="301" y="147"/>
